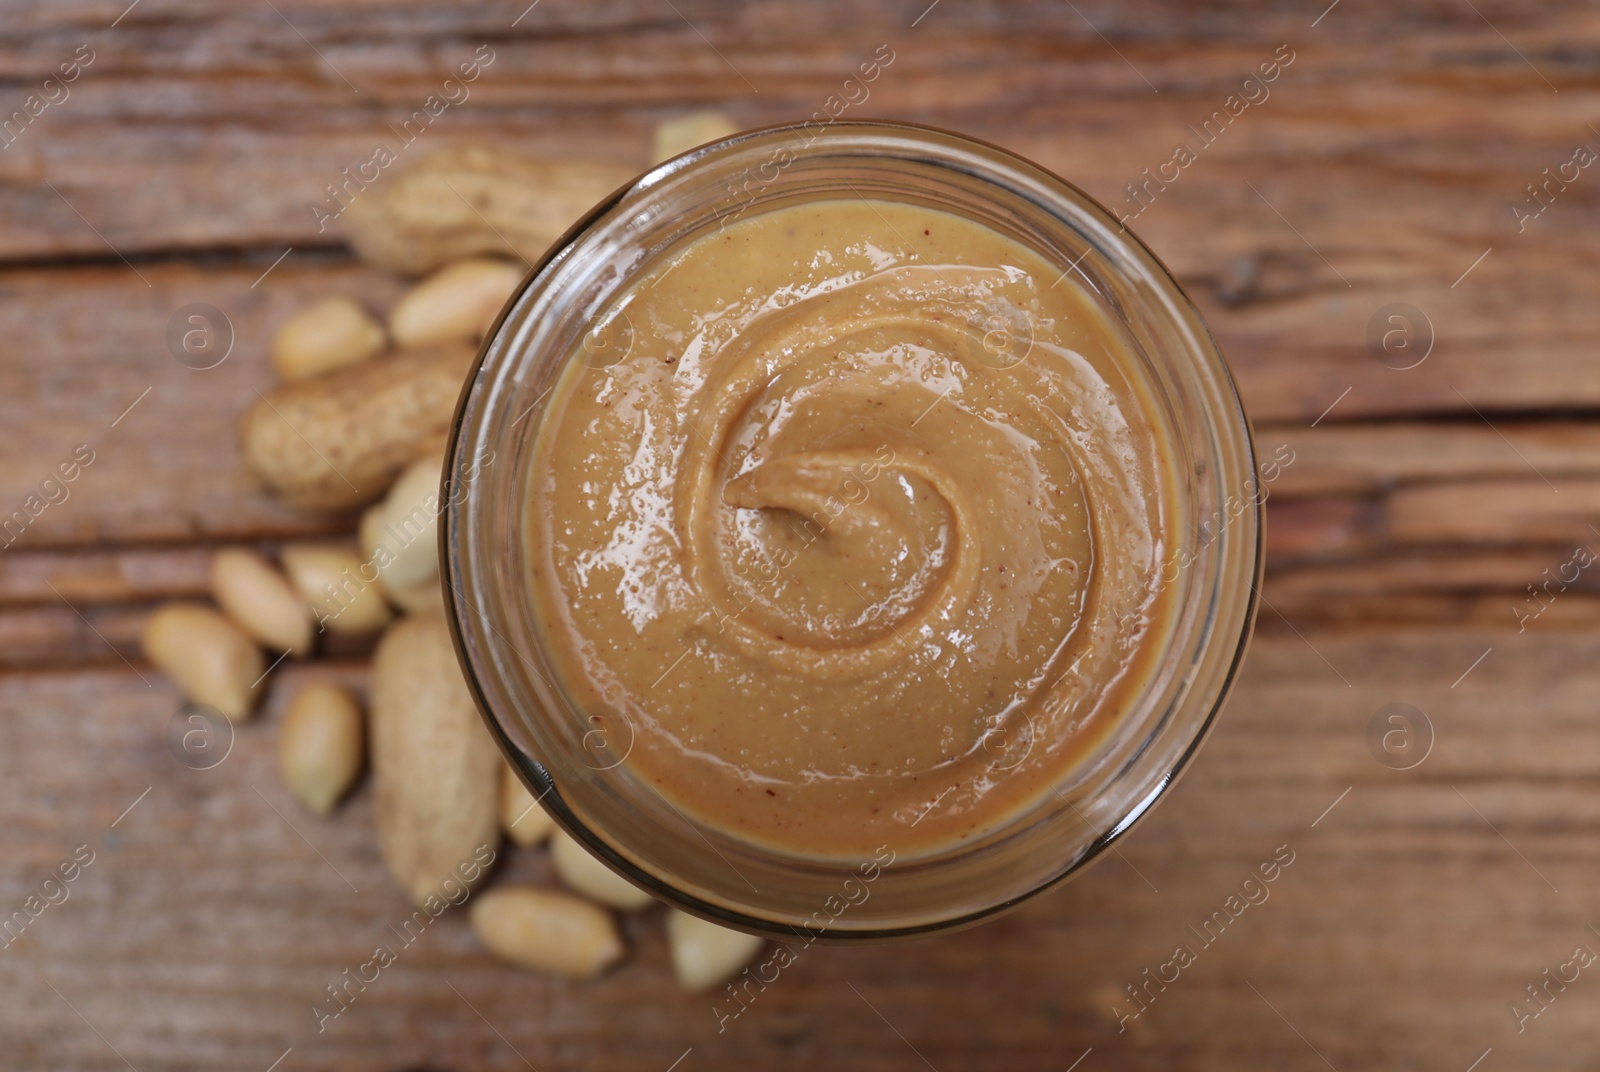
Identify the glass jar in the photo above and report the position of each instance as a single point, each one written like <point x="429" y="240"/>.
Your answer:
<point x="575" y="761"/>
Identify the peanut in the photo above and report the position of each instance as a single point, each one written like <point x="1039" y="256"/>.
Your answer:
<point x="705" y="954"/>
<point x="435" y="768"/>
<point x="401" y="535"/>
<point x="521" y="817"/>
<point x="677" y="136"/>
<point x="206" y="655"/>
<point x="370" y="532"/>
<point x="337" y="440"/>
<point x="584" y="873"/>
<point x="260" y="600"/>
<point x="335" y="581"/>
<point x="321" y="745"/>
<point x="459" y="301"/>
<point x="423" y="598"/>
<point x="465" y="201"/>
<point x="413" y="598"/>
<point x="546" y="930"/>
<point x="325" y="335"/>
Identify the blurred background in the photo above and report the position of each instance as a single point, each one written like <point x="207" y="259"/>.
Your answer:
<point x="1393" y="238"/>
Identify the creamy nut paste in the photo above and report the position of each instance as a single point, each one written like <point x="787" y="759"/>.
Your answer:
<point x="861" y="537"/>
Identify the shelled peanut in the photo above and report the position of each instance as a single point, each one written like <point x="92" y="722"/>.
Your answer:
<point x="703" y="953"/>
<point x="546" y="930"/>
<point x="583" y="872"/>
<point x="678" y="136"/>
<point x="207" y="656"/>
<point x="321" y="746"/>
<point x="400" y="536"/>
<point x="523" y="821"/>
<point x="330" y="579"/>
<point x="261" y="601"/>
<point x="326" y="335"/>
<point x="458" y="302"/>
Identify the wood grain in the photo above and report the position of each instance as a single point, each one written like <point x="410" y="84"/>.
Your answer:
<point x="1422" y="507"/>
<point x="1377" y="171"/>
<point x="1373" y="458"/>
<point x="214" y="915"/>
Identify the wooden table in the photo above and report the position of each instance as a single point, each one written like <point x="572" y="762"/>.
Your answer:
<point x="1380" y="166"/>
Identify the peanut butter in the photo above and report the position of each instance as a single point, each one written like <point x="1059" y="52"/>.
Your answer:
<point x="856" y="532"/>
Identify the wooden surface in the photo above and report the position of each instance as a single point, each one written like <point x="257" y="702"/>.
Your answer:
<point x="1403" y="538"/>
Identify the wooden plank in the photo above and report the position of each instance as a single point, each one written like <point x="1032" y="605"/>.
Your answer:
<point x="223" y="967"/>
<point x="1516" y="589"/>
<point x="104" y="575"/>
<point x="66" y="635"/>
<point x="1497" y="511"/>
<point x="1433" y="571"/>
<point x="1360" y="611"/>
<point x="1299" y="529"/>
<point x="163" y="436"/>
<point x="1399" y="217"/>
<point x="1557" y="515"/>
<point x="1366" y="459"/>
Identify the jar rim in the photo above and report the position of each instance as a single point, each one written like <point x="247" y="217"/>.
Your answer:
<point x="469" y="555"/>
